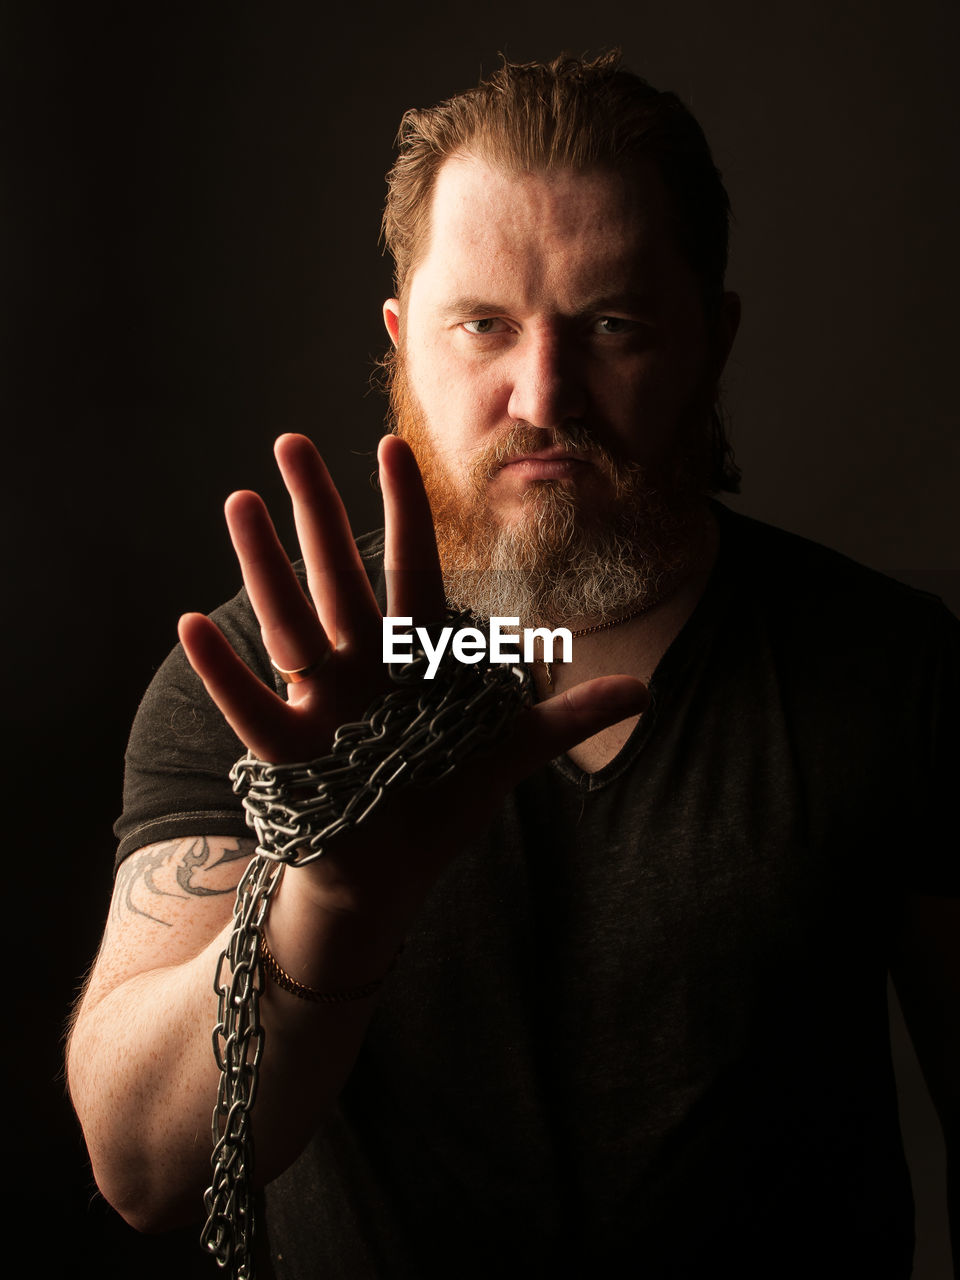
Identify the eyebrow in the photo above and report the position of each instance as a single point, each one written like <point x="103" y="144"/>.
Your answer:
<point x="618" y="300"/>
<point x="624" y="300"/>
<point x="473" y="306"/>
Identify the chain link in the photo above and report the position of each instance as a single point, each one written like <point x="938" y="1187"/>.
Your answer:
<point x="415" y="734"/>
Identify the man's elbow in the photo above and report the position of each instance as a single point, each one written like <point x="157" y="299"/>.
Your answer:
<point x="147" y="1202"/>
<point x="144" y="1182"/>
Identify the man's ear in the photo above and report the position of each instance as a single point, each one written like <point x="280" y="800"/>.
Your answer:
<point x="391" y="318"/>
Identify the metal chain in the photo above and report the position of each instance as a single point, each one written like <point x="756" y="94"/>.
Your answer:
<point x="416" y="733"/>
<point x="238" y="1049"/>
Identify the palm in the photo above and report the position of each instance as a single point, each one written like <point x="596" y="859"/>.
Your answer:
<point x="341" y="631"/>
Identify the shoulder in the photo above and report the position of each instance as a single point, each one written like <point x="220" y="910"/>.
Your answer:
<point x="814" y="586"/>
<point x="834" y="626"/>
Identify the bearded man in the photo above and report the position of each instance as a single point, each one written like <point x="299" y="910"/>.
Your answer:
<point x="612" y="993"/>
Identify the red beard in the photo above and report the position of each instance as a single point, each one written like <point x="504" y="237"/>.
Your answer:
<point x="563" y="560"/>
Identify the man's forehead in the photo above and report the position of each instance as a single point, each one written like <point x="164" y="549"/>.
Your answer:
<point x="596" y="230"/>
<point x="475" y="192"/>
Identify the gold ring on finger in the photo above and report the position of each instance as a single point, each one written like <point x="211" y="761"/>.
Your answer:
<point x="301" y="673"/>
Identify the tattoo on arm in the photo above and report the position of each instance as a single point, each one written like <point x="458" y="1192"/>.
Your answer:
<point x="172" y="869"/>
<point x="198" y="857"/>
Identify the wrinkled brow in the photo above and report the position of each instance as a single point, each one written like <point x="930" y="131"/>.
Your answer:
<point x="468" y="305"/>
<point x="631" y="301"/>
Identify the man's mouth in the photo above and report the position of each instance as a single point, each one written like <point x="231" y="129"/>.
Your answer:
<point x="553" y="463"/>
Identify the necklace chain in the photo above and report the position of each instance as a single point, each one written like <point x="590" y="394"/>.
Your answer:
<point x="613" y="622"/>
<point x="589" y="631"/>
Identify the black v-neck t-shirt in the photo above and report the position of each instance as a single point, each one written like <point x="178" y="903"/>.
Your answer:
<point x="640" y="1026"/>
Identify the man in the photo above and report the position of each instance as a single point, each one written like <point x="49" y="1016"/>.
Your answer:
<point x="613" y="994"/>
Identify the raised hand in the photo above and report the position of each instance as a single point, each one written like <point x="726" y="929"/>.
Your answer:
<point x="338" y="642"/>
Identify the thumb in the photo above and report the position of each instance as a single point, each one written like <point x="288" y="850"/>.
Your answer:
<point x="555" y="726"/>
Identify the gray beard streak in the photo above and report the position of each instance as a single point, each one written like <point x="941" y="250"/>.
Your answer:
<point x="552" y="570"/>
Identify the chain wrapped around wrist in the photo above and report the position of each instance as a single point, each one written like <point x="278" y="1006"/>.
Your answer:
<point x="414" y="734"/>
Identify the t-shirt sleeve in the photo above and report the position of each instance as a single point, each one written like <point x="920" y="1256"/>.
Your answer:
<point x="180" y="752"/>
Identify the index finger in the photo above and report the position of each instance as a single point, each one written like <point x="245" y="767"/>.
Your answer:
<point x="410" y="559"/>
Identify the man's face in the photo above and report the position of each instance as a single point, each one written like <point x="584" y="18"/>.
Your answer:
<point x="555" y="378"/>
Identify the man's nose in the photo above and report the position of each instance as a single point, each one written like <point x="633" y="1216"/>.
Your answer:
<point x="547" y="384"/>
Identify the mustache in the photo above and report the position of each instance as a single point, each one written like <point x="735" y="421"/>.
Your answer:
<point x="522" y="438"/>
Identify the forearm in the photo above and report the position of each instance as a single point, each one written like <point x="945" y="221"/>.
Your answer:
<point x="143" y="1076"/>
<point x="143" y="1081"/>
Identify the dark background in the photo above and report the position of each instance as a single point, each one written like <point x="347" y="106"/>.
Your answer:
<point x="190" y="213"/>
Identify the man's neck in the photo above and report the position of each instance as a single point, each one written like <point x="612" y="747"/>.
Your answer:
<point x="634" y="647"/>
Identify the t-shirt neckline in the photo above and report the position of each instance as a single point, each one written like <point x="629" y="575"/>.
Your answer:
<point x="686" y="645"/>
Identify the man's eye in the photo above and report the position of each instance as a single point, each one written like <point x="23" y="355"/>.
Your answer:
<point x="489" y="324"/>
<point x="612" y="325"/>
